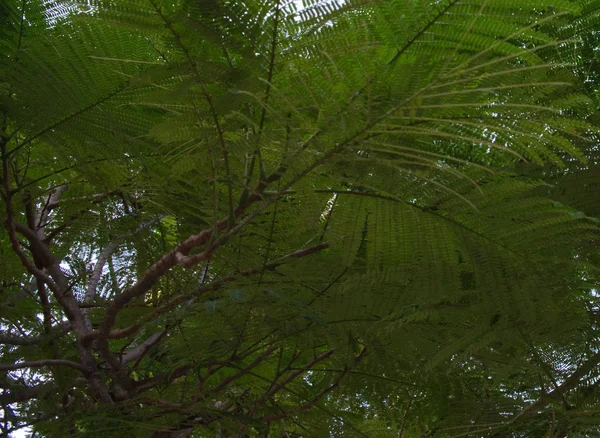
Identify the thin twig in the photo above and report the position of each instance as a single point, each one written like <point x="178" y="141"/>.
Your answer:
<point x="244" y="371"/>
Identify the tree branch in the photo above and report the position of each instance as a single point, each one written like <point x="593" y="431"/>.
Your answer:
<point x="215" y="285"/>
<point x="310" y="404"/>
<point x="69" y="117"/>
<point x="165" y="263"/>
<point x="570" y="383"/>
<point x="97" y="272"/>
<point x="96" y="199"/>
<point x="276" y="387"/>
<point x="15" y="395"/>
<point x="43" y="363"/>
<point x="169" y="377"/>
<point x="103" y="257"/>
<point x="11" y="225"/>
<point x="58" y="285"/>
<point x="422" y="31"/>
<point x="319" y="397"/>
<point x="139" y="351"/>
<point x="57" y="281"/>
<point x="51" y="204"/>
<point x="246" y="370"/>
<point x="61" y="330"/>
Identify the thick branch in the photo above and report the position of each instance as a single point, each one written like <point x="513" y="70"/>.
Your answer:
<point x="42" y="251"/>
<point x="215" y="285"/>
<point x="59" y="286"/>
<point x="57" y="281"/>
<point x="15" y="395"/>
<point x="45" y="303"/>
<point x="51" y="204"/>
<point x="139" y="351"/>
<point x="92" y="285"/>
<point x="59" y="331"/>
<point x="103" y="257"/>
<point x="169" y="260"/>
<point x="570" y="383"/>
<point x="10" y="222"/>
<point x="43" y="363"/>
<point x="162" y="266"/>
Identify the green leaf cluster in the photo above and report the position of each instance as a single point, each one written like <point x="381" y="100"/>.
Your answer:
<point x="445" y="152"/>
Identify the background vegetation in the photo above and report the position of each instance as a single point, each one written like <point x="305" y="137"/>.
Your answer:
<point x="264" y="218"/>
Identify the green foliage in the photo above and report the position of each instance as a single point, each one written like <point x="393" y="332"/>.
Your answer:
<point x="261" y="218"/>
